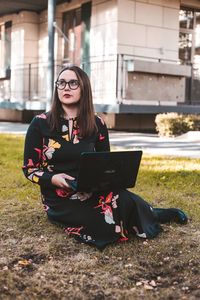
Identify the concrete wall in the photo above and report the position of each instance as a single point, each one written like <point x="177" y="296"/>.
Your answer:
<point x="154" y="87"/>
<point x="15" y="115"/>
<point x="144" y="30"/>
<point x="132" y="122"/>
<point x="148" y="32"/>
<point x="11" y="115"/>
<point x="190" y="3"/>
<point x="149" y="28"/>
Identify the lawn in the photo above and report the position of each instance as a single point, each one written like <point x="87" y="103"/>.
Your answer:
<point x="38" y="261"/>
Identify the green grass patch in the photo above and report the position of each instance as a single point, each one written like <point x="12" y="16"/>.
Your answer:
<point x="38" y="261"/>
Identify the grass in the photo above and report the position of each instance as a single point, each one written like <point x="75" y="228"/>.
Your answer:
<point x="38" y="261"/>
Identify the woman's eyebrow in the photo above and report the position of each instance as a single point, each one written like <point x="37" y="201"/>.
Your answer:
<point x="67" y="80"/>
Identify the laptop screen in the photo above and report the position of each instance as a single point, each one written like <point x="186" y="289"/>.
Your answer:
<point x="104" y="171"/>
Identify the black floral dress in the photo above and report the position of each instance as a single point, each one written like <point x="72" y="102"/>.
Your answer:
<point x="103" y="218"/>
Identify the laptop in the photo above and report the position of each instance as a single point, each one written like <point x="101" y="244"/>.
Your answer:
<point x="107" y="171"/>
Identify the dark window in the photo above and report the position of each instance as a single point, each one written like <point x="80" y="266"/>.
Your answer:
<point x="76" y="27"/>
<point x="189" y="35"/>
<point x="185" y="47"/>
<point x="72" y="29"/>
<point x="186" y="18"/>
<point x="189" y="50"/>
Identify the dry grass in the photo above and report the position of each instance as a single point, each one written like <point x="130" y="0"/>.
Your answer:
<point x="38" y="261"/>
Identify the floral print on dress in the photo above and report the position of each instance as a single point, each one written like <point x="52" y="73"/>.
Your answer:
<point x="33" y="171"/>
<point x="117" y="229"/>
<point x="66" y="131"/>
<point x="66" y="137"/>
<point x="73" y="230"/>
<point x="50" y="149"/>
<point x="76" y="231"/>
<point x="124" y="233"/>
<point x="42" y="116"/>
<point x="63" y="193"/>
<point x="101" y="137"/>
<point x="87" y="238"/>
<point x="142" y="235"/>
<point x="75" y="133"/>
<point x="35" y="176"/>
<point x="46" y="207"/>
<point x="105" y="203"/>
<point x="64" y="128"/>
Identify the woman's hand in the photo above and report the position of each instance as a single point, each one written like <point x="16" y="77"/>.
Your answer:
<point x="59" y="180"/>
<point x="83" y="196"/>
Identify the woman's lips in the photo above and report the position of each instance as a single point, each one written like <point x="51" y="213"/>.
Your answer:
<point x="67" y="95"/>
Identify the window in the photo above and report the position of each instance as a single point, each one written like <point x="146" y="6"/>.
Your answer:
<point x="5" y="49"/>
<point x="189" y="49"/>
<point x="189" y="35"/>
<point x="186" y="17"/>
<point x="76" y="26"/>
<point x="72" y="29"/>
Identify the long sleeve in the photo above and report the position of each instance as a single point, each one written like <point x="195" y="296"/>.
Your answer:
<point x="34" y="162"/>
<point x="102" y="143"/>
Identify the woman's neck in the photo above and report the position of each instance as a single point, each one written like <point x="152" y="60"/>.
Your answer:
<point x="70" y="112"/>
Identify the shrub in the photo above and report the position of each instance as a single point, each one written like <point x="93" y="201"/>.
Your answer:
<point x="173" y="124"/>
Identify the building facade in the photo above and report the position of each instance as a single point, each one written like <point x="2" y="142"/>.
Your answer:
<point x="142" y="56"/>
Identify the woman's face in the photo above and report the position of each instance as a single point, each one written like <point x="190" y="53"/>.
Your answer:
<point x="68" y="87"/>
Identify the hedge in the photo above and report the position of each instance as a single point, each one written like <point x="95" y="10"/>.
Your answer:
<point x="173" y="124"/>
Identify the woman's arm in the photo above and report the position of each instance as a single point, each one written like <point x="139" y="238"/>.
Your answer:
<point x="102" y="143"/>
<point x="34" y="160"/>
<point x="33" y="167"/>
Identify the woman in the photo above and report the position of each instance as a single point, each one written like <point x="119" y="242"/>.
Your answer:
<point x="53" y="145"/>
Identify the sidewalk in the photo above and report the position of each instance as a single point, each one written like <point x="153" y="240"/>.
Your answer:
<point x="187" y="145"/>
<point x="12" y="127"/>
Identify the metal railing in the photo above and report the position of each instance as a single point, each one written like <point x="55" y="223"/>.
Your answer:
<point x="108" y="78"/>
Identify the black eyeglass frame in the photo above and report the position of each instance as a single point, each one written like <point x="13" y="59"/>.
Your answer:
<point x="64" y="82"/>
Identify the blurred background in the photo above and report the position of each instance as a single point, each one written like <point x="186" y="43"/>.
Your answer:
<point x="143" y="57"/>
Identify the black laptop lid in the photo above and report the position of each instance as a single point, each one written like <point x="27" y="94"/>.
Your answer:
<point x="101" y="171"/>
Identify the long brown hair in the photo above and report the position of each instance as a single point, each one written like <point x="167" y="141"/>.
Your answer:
<point x="86" y="115"/>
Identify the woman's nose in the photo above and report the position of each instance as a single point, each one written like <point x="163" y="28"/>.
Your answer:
<point x="67" y="86"/>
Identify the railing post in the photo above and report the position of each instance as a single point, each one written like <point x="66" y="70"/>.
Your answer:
<point x="119" y="88"/>
<point x="29" y="82"/>
<point x="50" y="66"/>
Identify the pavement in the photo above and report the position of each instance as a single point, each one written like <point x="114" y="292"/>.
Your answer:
<point x="186" y="145"/>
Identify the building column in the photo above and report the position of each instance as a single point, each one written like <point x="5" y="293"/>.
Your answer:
<point x="50" y="68"/>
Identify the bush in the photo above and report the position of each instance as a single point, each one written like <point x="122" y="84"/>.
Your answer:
<point x="173" y="124"/>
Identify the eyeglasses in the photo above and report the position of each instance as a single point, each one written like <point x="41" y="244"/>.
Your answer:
<point x="73" y="84"/>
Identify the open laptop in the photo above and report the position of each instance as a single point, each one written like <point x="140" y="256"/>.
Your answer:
<point x="107" y="171"/>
